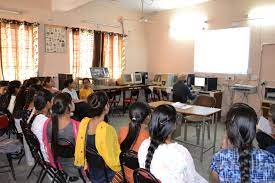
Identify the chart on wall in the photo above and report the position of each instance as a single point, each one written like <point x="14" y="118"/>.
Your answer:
<point x="55" y="39"/>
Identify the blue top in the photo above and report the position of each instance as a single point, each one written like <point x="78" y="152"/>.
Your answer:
<point x="226" y="164"/>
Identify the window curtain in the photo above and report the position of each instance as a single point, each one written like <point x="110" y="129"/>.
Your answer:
<point x="83" y="48"/>
<point x="18" y="50"/>
<point x="98" y="49"/>
<point x="113" y="54"/>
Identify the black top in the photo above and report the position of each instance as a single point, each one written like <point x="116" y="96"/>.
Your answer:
<point x="97" y="162"/>
<point x="181" y="92"/>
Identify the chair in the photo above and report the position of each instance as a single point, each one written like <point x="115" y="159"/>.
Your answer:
<point x="9" y="146"/>
<point x="46" y="168"/>
<point x="91" y="155"/>
<point x="156" y="94"/>
<point x="134" y="94"/>
<point x="66" y="149"/>
<point x="197" y="121"/>
<point x="165" y="95"/>
<point x="130" y="160"/>
<point x="143" y="176"/>
<point x="114" y="99"/>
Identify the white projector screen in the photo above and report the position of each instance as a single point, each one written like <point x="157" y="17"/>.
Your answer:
<point x="222" y="51"/>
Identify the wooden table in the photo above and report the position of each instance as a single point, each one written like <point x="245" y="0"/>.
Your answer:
<point x="121" y="88"/>
<point x="205" y="112"/>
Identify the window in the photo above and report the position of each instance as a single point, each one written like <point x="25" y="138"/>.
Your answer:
<point x="81" y="52"/>
<point x="19" y="50"/>
<point x="100" y="49"/>
<point x="222" y="51"/>
<point x="113" y="54"/>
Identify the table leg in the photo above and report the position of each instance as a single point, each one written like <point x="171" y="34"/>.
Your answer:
<point x="123" y="101"/>
<point x="202" y="142"/>
<point x="215" y="131"/>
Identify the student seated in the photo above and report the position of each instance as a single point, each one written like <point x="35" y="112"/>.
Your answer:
<point x="60" y="125"/>
<point x="239" y="161"/>
<point x="49" y="84"/>
<point x="3" y="97"/>
<point x="130" y="138"/>
<point x="166" y="160"/>
<point x="42" y="104"/>
<point x="70" y="88"/>
<point x="99" y="135"/>
<point x="86" y="89"/>
<point x="267" y="141"/>
<point x="181" y="92"/>
<point x="13" y="89"/>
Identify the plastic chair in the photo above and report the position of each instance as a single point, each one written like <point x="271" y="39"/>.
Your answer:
<point x="141" y="175"/>
<point x="197" y="121"/>
<point x="128" y="159"/>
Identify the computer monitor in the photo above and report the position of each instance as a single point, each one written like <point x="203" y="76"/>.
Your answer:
<point x="99" y="72"/>
<point x="137" y="78"/>
<point x="200" y="82"/>
<point x="126" y="79"/>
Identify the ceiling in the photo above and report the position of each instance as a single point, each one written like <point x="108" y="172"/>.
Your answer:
<point x="135" y="5"/>
<point x="158" y="5"/>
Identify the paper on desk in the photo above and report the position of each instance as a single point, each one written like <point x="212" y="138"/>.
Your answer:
<point x="264" y="125"/>
<point x="181" y="105"/>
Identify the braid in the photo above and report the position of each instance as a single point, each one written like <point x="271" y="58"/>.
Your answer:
<point x="244" y="159"/>
<point x="153" y="146"/>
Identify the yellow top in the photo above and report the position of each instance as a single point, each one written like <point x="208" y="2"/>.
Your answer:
<point x="84" y="93"/>
<point x="106" y="142"/>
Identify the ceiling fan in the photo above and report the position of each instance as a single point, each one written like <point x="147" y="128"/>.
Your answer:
<point x="144" y="18"/>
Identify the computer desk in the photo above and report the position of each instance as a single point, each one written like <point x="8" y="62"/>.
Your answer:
<point x="217" y="94"/>
<point x="199" y="111"/>
<point x="123" y="89"/>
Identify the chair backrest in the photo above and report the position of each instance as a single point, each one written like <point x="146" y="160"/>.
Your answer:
<point x="141" y="175"/>
<point x="91" y="156"/>
<point x="65" y="148"/>
<point x="4" y="121"/>
<point x="32" y="142"/>
<point x="205" y="100"/>
<point x="128" y="159"/>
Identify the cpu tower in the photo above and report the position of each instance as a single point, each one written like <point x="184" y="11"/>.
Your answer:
<point x="144" y="77"/>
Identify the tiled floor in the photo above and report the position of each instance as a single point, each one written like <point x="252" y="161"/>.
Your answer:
<point x="22" y="170"/>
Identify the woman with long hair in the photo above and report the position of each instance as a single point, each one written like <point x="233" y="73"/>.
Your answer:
<point x="167" y="160"/>
<point x="239" y="161"/>
<point x="42" y="103"/>
<point x="97" y="134"/>
<point x="60" y="125"/>
<point x="131" y="137"/>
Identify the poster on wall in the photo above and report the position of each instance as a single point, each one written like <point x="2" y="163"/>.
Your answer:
<point x="55" y="39"/>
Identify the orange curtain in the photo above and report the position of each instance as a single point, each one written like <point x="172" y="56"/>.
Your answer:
<point x="113" y="54"/>
<point x="83" y="47"/>
<point x="19" y="50"/>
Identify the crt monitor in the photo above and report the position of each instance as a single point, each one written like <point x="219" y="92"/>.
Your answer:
<point x="99" y="72"/>
<point x="126" y="79"/>
<point x="200" y="82"/>
<point x="137" y="78"/>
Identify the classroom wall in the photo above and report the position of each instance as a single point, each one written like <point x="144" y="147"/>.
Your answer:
<point x="167" y="55"/>
<point x="97" y="11"/>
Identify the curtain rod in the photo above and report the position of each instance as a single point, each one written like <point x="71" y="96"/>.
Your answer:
<point x="77" y="28"/>
<point x="18" y="22"/>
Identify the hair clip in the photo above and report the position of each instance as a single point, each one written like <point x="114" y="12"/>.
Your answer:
<point x="134" y="119"/>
